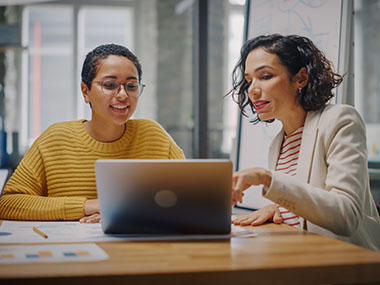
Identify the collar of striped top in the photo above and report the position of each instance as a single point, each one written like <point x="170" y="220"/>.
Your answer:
<point x="288" y="158"/>
<point x="296" y="132"/>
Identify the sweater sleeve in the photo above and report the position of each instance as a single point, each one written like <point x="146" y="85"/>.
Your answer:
<point x="25" y="195"/>
<point x="175" y="152"/>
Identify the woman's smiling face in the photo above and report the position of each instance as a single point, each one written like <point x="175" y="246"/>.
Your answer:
<point x="271" y="90"/>
<point x="112" y="110"/>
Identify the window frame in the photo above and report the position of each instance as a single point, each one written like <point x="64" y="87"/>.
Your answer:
<point x="76" y="7"/>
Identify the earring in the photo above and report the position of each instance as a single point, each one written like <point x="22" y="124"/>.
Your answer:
<point x="299" y="90"/>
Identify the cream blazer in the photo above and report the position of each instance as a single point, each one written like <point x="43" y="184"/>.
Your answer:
<point x="331" y="190"/>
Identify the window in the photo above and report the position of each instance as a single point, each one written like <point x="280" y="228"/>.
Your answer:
<point x="226" y="31"/>
<point x="58" y="34"/>
<point x="367" y="81"/>
<point x="367" y="70"/>
<point x="50" y="89"/>
<point x="53" y="93"/>
<point x="96" y="26"/>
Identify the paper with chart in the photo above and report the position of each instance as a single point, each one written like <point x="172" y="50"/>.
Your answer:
<point x="83" y="252"/>
<point x="61" y="232"/>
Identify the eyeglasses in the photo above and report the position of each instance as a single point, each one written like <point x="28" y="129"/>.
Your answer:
<point x="111" y="87"/>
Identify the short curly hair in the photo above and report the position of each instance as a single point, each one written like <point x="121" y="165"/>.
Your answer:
<point x="294" y="53"/>
<point x="91" y="61"/>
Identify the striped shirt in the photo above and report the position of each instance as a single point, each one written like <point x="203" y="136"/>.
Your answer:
<point x="287" y="164"/>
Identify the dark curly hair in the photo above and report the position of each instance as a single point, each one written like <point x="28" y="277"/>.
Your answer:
<point x="294" y="53"/>
<point x="91" y="61"/>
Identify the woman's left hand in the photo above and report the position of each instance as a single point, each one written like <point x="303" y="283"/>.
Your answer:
<point x="95" y="218"/>
<point x="243" y="179"/>
<point x="258" y="217"/>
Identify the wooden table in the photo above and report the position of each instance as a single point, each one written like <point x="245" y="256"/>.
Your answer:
<point x="279" y="254"/>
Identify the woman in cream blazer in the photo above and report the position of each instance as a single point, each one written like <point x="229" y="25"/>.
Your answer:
<point x="288" y="78"/>
<point x="331" y="190"/>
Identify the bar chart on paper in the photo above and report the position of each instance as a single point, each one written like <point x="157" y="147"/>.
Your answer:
<point x="51" y="253"/>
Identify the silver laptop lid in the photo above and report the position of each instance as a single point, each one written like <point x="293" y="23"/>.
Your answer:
<point x="164" y="196"/>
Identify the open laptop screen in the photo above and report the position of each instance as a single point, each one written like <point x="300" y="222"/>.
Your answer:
<point x="165" y="196"/>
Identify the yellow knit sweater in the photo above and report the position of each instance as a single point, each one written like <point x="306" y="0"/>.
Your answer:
<point x="56" y="175"/>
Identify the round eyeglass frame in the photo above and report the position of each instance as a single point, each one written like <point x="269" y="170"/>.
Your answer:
<point x="117" y="90"/>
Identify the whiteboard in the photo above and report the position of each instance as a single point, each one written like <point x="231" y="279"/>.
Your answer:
<point x="319" y="20"/>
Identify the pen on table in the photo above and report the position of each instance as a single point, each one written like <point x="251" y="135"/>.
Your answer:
<point x="40" y="233"/>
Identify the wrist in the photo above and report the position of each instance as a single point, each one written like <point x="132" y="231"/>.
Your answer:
<point x="266" y="177"/>
<point x="86" y="207"/>
<point x="91" y="207"/>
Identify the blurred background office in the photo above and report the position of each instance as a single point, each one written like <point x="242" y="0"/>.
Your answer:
<point x="187" y="48"/>
<point x="43" y="44"/>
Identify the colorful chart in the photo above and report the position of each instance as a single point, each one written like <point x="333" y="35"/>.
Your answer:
<point x="51" y="253"/>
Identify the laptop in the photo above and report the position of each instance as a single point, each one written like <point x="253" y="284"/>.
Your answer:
<point x="164" y="196"/>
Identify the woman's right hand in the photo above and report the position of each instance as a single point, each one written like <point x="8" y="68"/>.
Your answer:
<point x="94" y="218"/>
<point x="91" y="211"/>
<point x="259" y="217"/>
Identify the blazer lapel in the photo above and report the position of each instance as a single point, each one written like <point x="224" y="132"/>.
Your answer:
<point x="309" y="136"/>
<point x="274" y="150"/>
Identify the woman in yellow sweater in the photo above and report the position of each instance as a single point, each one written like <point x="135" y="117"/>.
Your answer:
<point x="55" y="180"/>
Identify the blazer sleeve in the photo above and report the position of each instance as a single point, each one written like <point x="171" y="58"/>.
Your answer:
<point x="335" y="202"/>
